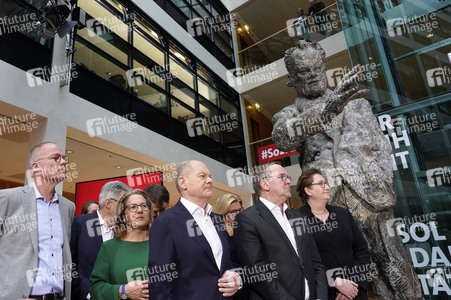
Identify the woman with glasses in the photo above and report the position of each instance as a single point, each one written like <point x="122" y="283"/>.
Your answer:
<point x="228" y="206"/>
<point x="120" y="271"/>
<point x="343" y="249"/>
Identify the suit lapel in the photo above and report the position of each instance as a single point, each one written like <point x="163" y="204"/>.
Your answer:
<point x="297" y="236"/>
<point x="267" y="215"/>
<point x="184" y="217"/>
<point x="29" y="205"/>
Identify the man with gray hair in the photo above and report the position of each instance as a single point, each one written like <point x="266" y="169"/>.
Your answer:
<point x="35" y="231"/>
<point x="89" y="232"/>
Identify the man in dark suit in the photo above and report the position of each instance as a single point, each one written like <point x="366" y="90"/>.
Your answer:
<point x="89" y="232"/>
<point x="190" y="242"/>
<point x="35" y="259"/>
<point x="266" y="244"/>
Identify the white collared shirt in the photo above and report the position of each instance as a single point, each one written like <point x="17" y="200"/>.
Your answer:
<point x="205" y="223"/>
<point x="107" y="232"/>
<point x="286" y="226"/>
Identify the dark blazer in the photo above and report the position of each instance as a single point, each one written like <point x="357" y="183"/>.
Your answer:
<point x="176" y="239"/>
<point x="341" y="246"/>
<point x="260" y="240"/>
<point x="85" y="242"/>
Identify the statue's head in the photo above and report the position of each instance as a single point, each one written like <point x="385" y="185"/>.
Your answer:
<point x="306" y="69"/>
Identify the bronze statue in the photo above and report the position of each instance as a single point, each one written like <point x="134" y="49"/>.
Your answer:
<point x="336" y="131"/>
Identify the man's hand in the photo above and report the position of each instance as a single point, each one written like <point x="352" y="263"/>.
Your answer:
<point x="229" y="283"/>
<point x="346" y="287"/>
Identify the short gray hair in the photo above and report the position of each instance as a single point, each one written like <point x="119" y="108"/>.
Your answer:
<point x="182" y="170"/>
<point x="113" y="190"/>
<point x="260" y="174"/>
<point x="34" y="152"/>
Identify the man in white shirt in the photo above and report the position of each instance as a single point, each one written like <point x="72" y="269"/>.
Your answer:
<point x="89" y="232"/>
<point x="190" y="242"/>
<point x="278" y="264"/>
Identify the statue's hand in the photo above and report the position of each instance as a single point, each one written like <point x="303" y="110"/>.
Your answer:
<point x="346" y="89"/>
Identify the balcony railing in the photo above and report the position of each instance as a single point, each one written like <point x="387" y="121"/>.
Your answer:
<point x="273" y="47"/>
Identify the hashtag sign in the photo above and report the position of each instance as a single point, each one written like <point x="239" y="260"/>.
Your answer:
<point x="270" y="153"/>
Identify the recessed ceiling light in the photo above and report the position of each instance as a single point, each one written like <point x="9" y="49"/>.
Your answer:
<point x="430" y="35"/>
<point x="257" y="107"/>
<point x="108" y="73"/>
<point x="118" y="167"/>
<point x="69" y="151"/>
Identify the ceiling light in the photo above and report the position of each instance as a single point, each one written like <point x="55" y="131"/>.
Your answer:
<point x="69" y="151"/>
<point x="154" y="34"/>
<point x="118" y="167"/>
<point x="247" y="28"/>
<point x="430" y="35"/>
<point x="239" y="29"/>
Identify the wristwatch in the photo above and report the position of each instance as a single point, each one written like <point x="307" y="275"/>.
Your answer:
<point x="123" y="295"/>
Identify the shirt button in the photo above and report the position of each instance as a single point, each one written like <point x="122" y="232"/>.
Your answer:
<point x="52" y="254"/>
<point x="51" y="237"/>
<point x="51" y="219"/>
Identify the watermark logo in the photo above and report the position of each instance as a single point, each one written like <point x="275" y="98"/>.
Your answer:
<point x="235" y="77"/>
<point x="239" y="176"/>
<point x="194" y="229"/>
<point x="438" y="176"/>
<point x="138" y="76"/>
<point x="199" y="126"/>
<point x="414" y="24"/>
<point x="100" y="26"/>
<point x="16" y="124"/>
<point x="56" y="74"/>
<point x="136" y="274"/>
<point x="41" y="276"/>
<point x="94" y="228"/>
<point x="298" y="127"/>
<point x="159" y="273"/>
<point x="438" y="76"/>
<point x="217" y="23"/>
<point x="394" y="226"/>
<point x="310" y="225"/>
<point x="52" y="174"/>
<point x="21" y="23"/>
<point x="109" y="125"/>
<point x="334" y="76"/>
<point x="18" y="223"/>
<point x="257" y="273"/>
<point x="320" y="23"/>
<point x="355" y="273"/>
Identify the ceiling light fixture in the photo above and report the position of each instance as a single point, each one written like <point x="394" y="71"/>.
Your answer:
<point x="257" y="107"/>
<point x="69" y="151"/>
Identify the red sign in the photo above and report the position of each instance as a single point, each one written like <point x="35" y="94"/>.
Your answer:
<point x="270" y="152"/>
<point x="90" y="190"/>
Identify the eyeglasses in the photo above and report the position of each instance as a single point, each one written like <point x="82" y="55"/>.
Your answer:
<point x="321" y="184"/>
<point x="235" y="211"/>
<point x="56" y="158"/>
<point x="134" y="207"/>
<point x="284" y="177"/>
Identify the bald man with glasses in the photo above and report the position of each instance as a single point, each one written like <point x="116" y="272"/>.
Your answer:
<point x="35" y="259"/>
<point x="268" y="246"/>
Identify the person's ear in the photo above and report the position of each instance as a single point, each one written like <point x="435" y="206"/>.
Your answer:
<point x="264" y="184"/>
<point x="307" y="191"/>
<point x="182" y="183"/>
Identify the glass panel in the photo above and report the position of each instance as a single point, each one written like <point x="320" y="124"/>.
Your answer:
<point x="181" y="73"/>
<point x="145" y="26"/>
<point x="183" y="7"/>
<point x="104" y="17"/>
<point x="207" y="91"/>
<point x="99" y="65"/>
<point x="228" y="107"/>
<point x="145" y="46"/>
<point x="181" y="113"/>
<point x="149" y="75"/>
<point x="202" y="12"/>
<point x="119" y="6"/>
<point x="152" y="96"/>
<point x="109" y="43"/>
<point x="183" y="93"/>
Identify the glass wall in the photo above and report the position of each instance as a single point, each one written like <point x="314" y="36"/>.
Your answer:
<point x="213" y="32"/>
<point x="165" y="85"/>
<point x="409" y="45"/>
